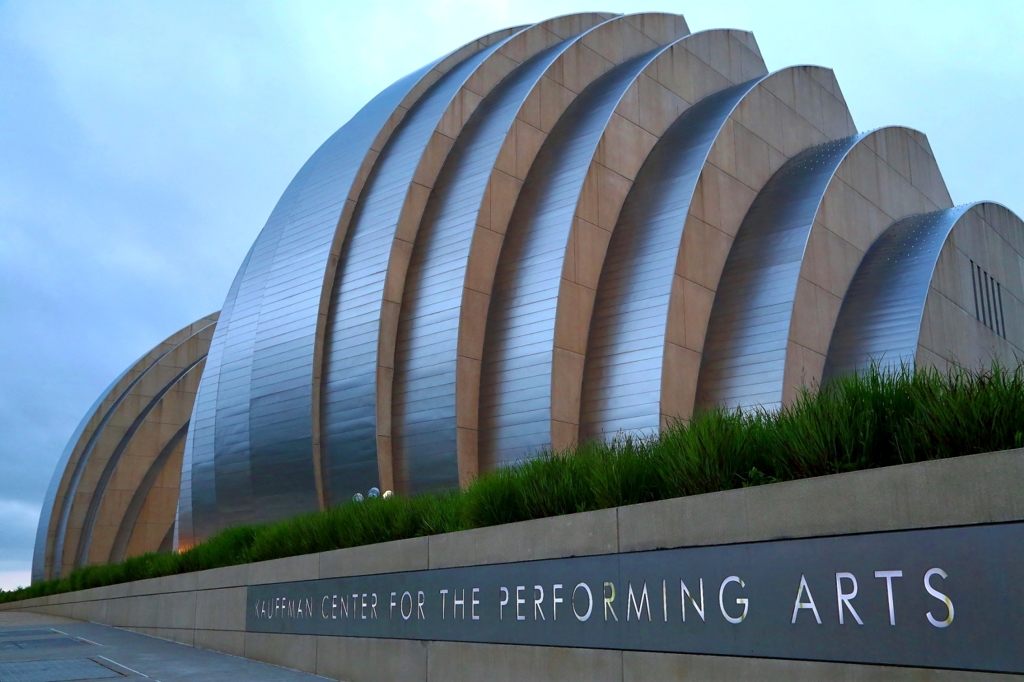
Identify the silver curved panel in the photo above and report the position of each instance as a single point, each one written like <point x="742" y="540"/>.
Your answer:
<point x="424" y="426"/>
<point x="252" y="438"/>
<point x="200" y="439"/>
<point x="515" y="382"/>
<point x="880" y="318"/>
<point x="623" y="367"/>
<point x="745" y="345"/>
<point x="89" y="523"/>
<point x="348" y="390"/>
<point x="138" y="501"/>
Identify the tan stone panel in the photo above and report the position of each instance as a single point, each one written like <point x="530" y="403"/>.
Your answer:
<point x="572" y="322"/>
<point x="232" y="643"/>
<point x="830" y="261"/>
<point x="484" y="250"/>
<point x="385" y="557"/>
<point x="581" y="65"/>
<point x="782" y="85"/>
<point x="563" y="435"/>
<point x="487" y="74"/>
<point x="298" y="652"/>
<point x="924" y="172"/>
<point x="753" y="167"/>
<point x="697" y="302"/>
<point x="144" y="611"/>
<point x="502" y="192"/>
<point x="365" y="658"/>
<point x="952" y="275"/>
<point x="528" y="143"/>
<point x="734" y="199"/>
<point x="659" y="106"/>
<point x="412" y="212"/>
<point x="803" y="371"/>
<point x="433" y="156"/>
<point x="629" y="105"/>
<point x="229" y="576"/>
<point x="585" y="534"/>
<point x="588" y="244"/>
<point x="722" y="156"/>
<point x="385" y="462"/>
<point x="554" y="96"/>
<point x="814" y="314"/>
<point x="467" y="443"/>
<point x="468" y="393"/>
<point x="183" y="582"/>
<point x="808" y="99"/>
<point x="862" y="169"/>
<point x="461" y="662"/>
<point x="587" y="209"/>
<point x="567" y="366"/>
<point x="385" y="376"/>
<point x="290" y="569"/>
<point x="624" y="146"/>
<point x="471" y="331"/>
<point x="678" y="383"/>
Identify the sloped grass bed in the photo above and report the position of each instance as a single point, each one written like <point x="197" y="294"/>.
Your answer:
<point x="859" y="422"/>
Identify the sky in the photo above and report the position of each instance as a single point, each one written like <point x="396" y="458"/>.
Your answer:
<point x="144" y="143"/>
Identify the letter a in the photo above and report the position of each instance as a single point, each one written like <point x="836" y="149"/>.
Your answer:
<point x="809" y="604"/>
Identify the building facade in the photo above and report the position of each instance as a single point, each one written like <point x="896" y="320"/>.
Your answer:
<point x="591" y="225"/>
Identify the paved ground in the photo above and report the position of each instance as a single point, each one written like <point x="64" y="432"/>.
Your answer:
<point x="40" y="648"/>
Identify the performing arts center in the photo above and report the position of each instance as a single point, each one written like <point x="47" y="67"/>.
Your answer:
<point x="589" y="226"/>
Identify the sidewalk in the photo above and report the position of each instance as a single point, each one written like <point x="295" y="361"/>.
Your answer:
<point x="40" y="648"/>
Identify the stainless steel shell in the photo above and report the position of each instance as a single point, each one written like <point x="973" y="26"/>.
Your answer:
<point x="249" y="456"/>
<point x="745" y="345"/>
<point x="428" y="332"/>
<point x="622" y="374"/>
<point x="349" y="385"/>
<point x="880" y="318"/>
<point x="515" y="386"/>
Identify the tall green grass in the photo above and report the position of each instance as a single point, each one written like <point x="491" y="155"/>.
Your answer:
<point x="857" y="422"/>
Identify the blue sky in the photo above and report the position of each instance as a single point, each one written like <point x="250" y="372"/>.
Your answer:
<point x="143" y="145"/>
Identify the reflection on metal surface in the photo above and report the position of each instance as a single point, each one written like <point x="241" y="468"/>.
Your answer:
<point x="880" y="318"/>
<point x="622" y="374"/>
<point x="253" y="440"/>
<point x="425" y="361"/>
<point x="515" y="385"/>
<point x="745" y="345"/>
<point x="200" y="439"/>
<point x="349" y="385"/>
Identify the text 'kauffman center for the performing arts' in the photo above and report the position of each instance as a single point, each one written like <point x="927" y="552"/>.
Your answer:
<point x="588" y="226"/>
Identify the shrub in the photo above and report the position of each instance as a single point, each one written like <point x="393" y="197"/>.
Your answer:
<point x="856" y="422"/>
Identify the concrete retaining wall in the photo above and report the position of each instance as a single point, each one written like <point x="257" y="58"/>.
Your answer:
<point x="207" y="609"/>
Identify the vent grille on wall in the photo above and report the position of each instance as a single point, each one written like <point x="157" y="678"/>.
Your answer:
<point x="988" y="300"/>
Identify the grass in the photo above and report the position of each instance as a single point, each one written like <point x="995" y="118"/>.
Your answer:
<point x="859" y="422"/>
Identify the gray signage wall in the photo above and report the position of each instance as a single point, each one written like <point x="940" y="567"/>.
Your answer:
<point x="942" y="598"/>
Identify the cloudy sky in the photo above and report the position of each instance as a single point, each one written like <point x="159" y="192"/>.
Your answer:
<point x="143" y="145"/>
